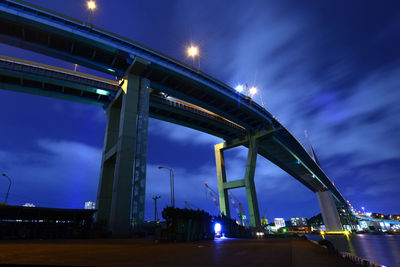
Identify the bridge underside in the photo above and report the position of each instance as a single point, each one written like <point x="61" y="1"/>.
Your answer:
<point x="28" y="80"/>
<point x="29" y="77"/>
<point x="199" y="101"/>
<point x="69" y="85"/>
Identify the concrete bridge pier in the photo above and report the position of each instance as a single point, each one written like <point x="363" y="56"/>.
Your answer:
<point x="123" y="168"/>
<point x="251" y="141"/>
<point x="329" y="211"/>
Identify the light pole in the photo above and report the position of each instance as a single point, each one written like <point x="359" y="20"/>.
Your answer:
<point x="9" y="186"/>
<point x="155" y="207"/>
<point x="91" y="5"/>
<point x="250" y="91"/>
<point x="171" y="181"/>
<point x="193" y="51"/>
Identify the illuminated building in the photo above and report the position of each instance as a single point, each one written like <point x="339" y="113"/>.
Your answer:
<point x="90" y="205"/>
<point x="279" y="222"/>
<point x="298" y="221"/>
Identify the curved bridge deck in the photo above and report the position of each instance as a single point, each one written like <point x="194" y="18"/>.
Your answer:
<point x="281" y="147"/>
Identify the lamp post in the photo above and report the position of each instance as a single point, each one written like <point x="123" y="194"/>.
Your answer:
<point x="155" y="207"/>
<point x="193" y="51"/>
<point x="91" y="5"/>
<point x="250" y="91"/>
<point x="171" y="181"/>
<point x="9" y="186"/>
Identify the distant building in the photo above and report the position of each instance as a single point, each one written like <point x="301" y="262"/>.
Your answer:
<point x="279" y="222"/>
<point x="29" y="205"/>
<point x="90" y="205"/>
<point x="298" y="221"/>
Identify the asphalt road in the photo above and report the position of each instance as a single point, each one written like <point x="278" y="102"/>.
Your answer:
<point x="145" y="252"/>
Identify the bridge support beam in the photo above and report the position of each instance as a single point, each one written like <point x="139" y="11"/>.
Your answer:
<point x="329" y="211"/>
<point x="121" y="192"/>
<point x="251" y="141"/>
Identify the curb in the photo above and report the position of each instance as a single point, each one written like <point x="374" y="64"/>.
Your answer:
<point x="359" y="260"/>
<point x="355" y="259"/>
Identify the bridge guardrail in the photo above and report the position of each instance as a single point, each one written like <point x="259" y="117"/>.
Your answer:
<point x="193" y="110"/>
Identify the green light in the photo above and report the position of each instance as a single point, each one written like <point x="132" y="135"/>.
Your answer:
<point x="102" y="92"/>
<point x="284" y="230"/>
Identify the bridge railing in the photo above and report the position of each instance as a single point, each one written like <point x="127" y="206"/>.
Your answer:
<point x="58" y="73"/>
<point x="182" y="106"/>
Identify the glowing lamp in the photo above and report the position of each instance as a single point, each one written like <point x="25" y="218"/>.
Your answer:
<point x="253" y="90"/>
<point x="217" y="228"/>
<point x="193" y="51"/>
<point x="239" y="88"/>
<point x="91" y="5"/>
<point x="102" y="92"/>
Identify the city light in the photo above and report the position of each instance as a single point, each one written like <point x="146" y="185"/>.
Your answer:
<point x="193" y="51"/>
<point x="91" y="5"/>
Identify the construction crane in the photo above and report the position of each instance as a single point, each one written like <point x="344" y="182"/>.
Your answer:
<point x="190" y="206"/>
<point x="187" y="205"/>
<point x="238" y="207"/>
<point x="212" y="193"/>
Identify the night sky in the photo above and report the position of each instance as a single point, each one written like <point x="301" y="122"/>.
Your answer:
<point x="329" y="67"/>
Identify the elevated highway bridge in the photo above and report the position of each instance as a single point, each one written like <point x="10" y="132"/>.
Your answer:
<point x="146" y="78"/>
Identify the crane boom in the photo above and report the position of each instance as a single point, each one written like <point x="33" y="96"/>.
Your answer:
<point x="212" y="193"/>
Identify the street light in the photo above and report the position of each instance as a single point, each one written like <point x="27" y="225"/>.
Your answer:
<point x="249" y="91"/>
<point x="239" y="88"/>
<point x="91" y="5"/>
<point x="252" y="91"/>
<point x="193" y="51"/>
<point x="171" y="181"/>
<point x="9" y="186"/>
<point x="155" y="207"/>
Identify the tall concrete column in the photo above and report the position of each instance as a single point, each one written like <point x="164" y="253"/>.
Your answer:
<point x="104" y="192"/>
<point x="123" y="169"/>
<point x="251" y="141"/>
<point x="139" y="181"/>
<point x="221" y="176"/>
<point x="252" y="202"/>
<point x="329" y="211"/>
<point x="120" y="216"/>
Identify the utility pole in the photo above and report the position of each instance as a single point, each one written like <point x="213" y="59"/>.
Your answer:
<point x="171" y="182"/>
<point x="9" y="186"/>
<point x="155" y="207"/>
